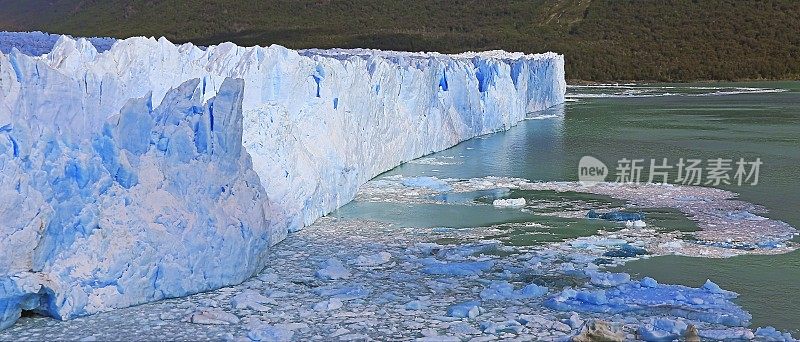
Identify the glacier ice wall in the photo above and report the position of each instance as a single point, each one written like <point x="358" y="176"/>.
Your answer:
<point x="147" y="207"/>
<point x="39" y="43"/>
<point x="123" y="175"/>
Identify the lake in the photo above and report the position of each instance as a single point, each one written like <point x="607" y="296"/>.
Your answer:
<point x="707" y="121"/>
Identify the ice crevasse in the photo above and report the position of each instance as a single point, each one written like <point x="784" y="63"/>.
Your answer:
<point x="133" y="174"/>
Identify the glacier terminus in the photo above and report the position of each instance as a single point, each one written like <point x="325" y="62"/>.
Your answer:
<point x="130" y="174"/>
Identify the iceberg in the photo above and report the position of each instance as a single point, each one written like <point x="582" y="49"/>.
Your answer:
<point x="468" y="309"/>
<point x="152" y="170"/>
<point x="509" y="202"/>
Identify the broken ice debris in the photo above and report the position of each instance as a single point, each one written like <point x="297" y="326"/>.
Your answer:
<point x="708" y="304"/>
<point x="373" y="260"/>
<point x="431" y="183"/>
<point x="509" y="326"/>
<point x="771" y="334"/>
<point x="415" y="305"/>
<point x="635" y="224"/>
<point x="743" y="215"/>
<point x="735" y="334"/>
<point x="662" y="329"/>
<point x="469" y="309"/>
<point x="461" y="252"/>
<point x="268" y="333"/>
<point x="467" y="268"/>
<point x="343" y="293"/>
<point x="213" y="316"/>
<point x="616" y="215"/>
<point x="328" y="305"/>
<point x="250" y="299"/>
<point x="625" y="251"/>
<point x="607" y="279"/>
<point x="509" y="202"/>
<point x="333" y="269"/>
<point x="502" y="290"/>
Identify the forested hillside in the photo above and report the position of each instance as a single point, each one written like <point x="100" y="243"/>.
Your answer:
<point x="603" y="40"/>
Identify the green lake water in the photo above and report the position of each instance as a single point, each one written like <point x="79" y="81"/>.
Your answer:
<point x="646" y="122"/>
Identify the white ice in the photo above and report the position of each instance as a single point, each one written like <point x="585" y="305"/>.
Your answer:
<point x="123" y="176"/>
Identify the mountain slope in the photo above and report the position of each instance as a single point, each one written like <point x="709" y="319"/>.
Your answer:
<point x="602" y="39"/>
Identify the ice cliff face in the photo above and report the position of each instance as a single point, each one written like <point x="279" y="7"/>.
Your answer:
<point x="39" y="43"/>
<point x="146" y="207"/>
<point x="123" y="173"/>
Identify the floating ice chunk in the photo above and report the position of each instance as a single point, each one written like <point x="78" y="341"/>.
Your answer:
<point x="328" y="305"/>
<point x="267" y="333"/>
<point x="268" y="277"/>
<point x="509" y="202"/>
<point x="333" y="269"/>
<point x="505" y="291"/>
<point x="597" y="297"/>
<point x="607" y="279"/>
<point x="574" y="320"/>
<point x="592" y="242"/>
<point x="426" y="248"/>
<point x="710" y="286"/>
<point x="769" y="244"/>
<point x="373" y="260"/>
<point x="467" y="268"/>
<point x="438" y="338"/>
<point x="469" y="309"/>
<point x="461" y="252"/>
<point x="569" y="269"/>
<point x="626" y="251"/>
<point x="431" y="183"/>
<point x="416" y="305"/>
<point x="250" y="299"/>
<point x="635" y="224"/>
<point x="662" y="330"/>
<point x="343" y="293"/>
<point x="616" y="215"/>
<point x="213" y="316"/>
<point x="676" y="300"/>
<point x="743" y="215"/>
<point x="648" y="282"/>
<point x="677" y="244"/>
<point x="463" y="328"/>
<point x="387" y="297"/>
<point x="771" y="334"/>
<point x="495" y="328"/>
<point x="735" y="334"/>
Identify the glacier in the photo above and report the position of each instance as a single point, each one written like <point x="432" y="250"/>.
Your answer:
<point x="154" y="170"/>
<point x="39" y="43"/>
